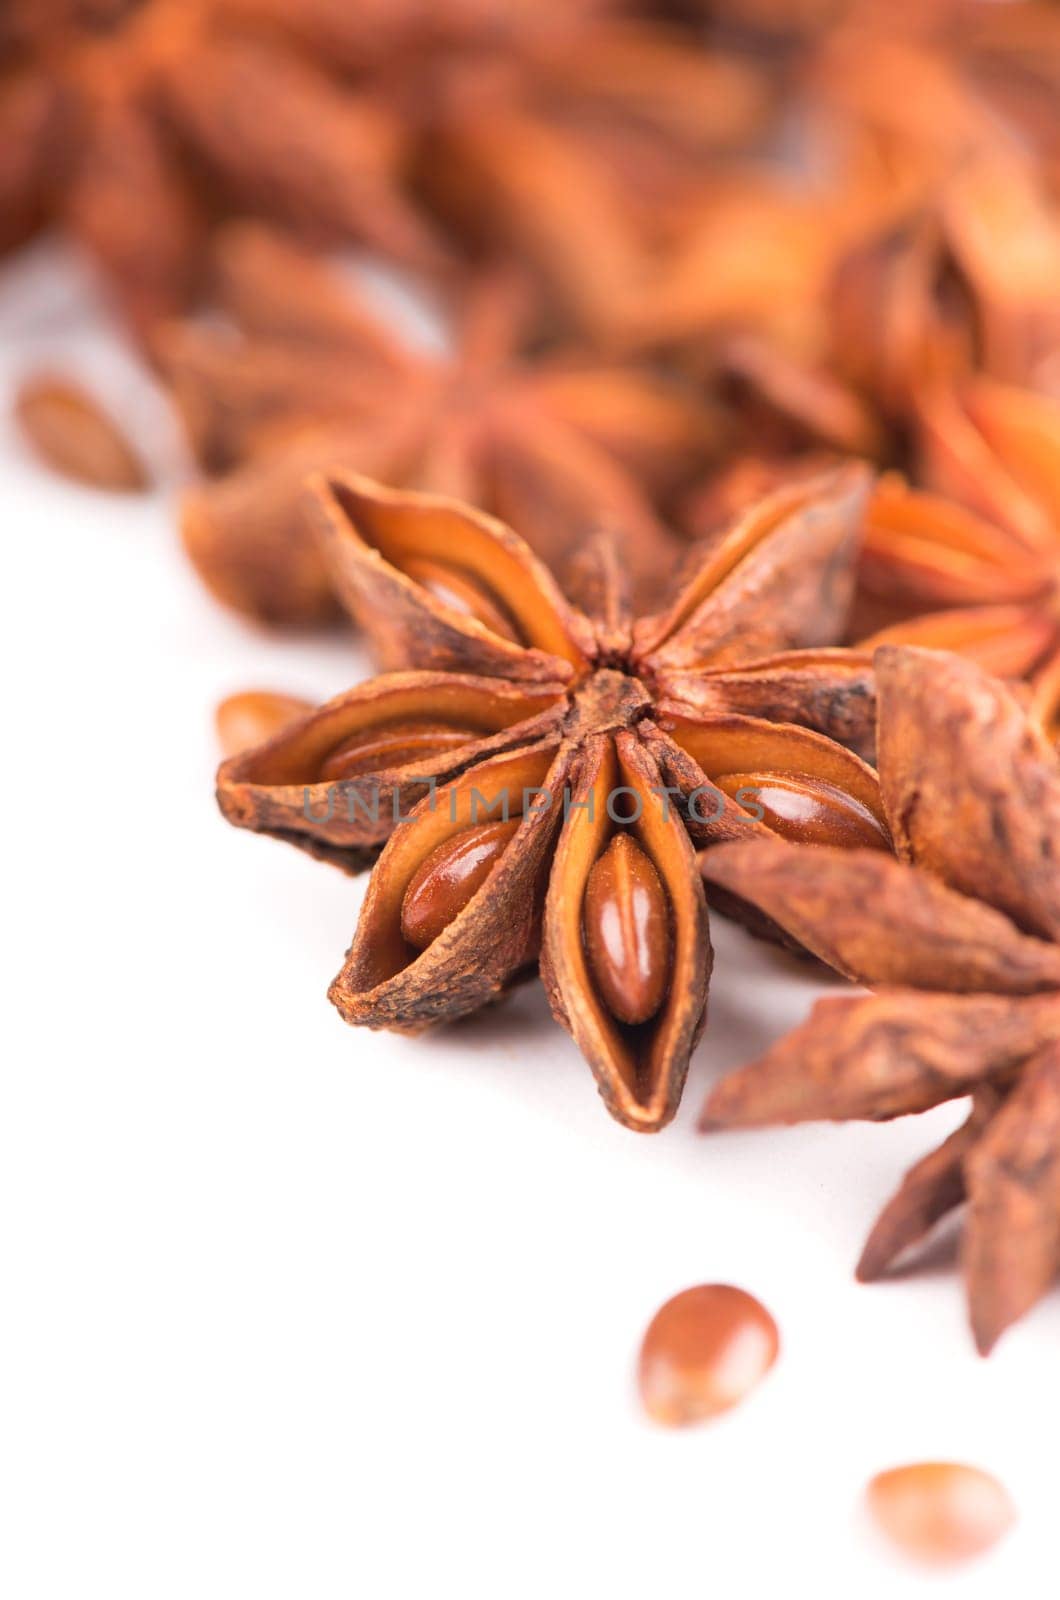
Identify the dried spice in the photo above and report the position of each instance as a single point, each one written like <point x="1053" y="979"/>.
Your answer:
<point x="564" y="134"/>
<point x="979" y="539"/>
<point x="752" y="256"/>
<point x="132" y="123"/>
<point x="557" y="443"/>
<point x="704" y="1352"/>
<point x="581" y="152"/>
<point x="541" y="772"/>
<point x="965" y="285"/>
<point x="783" y="418"/>
<point x="940" y="1512"/>
<point x="70" y="430"/>
<point x="965" y="941"/>
<point x="922" y="550"/>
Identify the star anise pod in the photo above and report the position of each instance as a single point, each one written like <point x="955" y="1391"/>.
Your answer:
<point x="920" y="551"/>
<point x="542" y="772"/>
<point x="549" y="439"/>
<point x="965" y="283"/>
<point x="964" y="942"/>
<point x="980" y="539"/>
<point x="782" y="418"/>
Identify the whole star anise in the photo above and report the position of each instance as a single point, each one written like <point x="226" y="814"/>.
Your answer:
<point x="964" y="938"/>
<point x="311" y="374"/>
<point x="562" y="763"/>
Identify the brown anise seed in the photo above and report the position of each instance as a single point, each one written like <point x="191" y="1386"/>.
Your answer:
<point x="445" y="880"/>
<point x="626" y="920"/>
<point x="71" y="432"/>
<point x="395" y="745"/>
<point x="805" y="810"/>
<point x="251" y="717"/>
<point x="460" y="591"/>
<point x="940" y="1511"/>
<point x="704" y="1351"/>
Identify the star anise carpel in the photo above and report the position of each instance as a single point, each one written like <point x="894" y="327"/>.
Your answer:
<point x="307" y="374"/>
<point x="542" y="772"/>
<point x="980" y="538"/>
<point x="963" y="946"/>
<point x="963" y="283"/>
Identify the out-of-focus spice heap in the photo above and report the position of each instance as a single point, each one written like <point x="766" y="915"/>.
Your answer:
<point x="749" y="320"/>
<point x="739" y="253"/>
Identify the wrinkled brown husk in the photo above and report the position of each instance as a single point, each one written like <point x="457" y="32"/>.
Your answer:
<point x="930" y="1190"/>
<point x="640" y="1072"/>
<point x="918" y="933"/>
<point x="886" y="1056"/>
<point x="832" y="692"/>
<point x="972" y="790"/>
<point x="1012" y="1237"/>
<point x="781" y="578"/>
<point x="407" y="627"/>
<point x="384" y="983"/>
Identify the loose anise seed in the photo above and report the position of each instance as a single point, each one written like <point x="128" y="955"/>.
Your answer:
<point x="251" y="717"/>
<point x="806" y="810"/>
<point x="941" y="1511"/>
<point x="626" y="920"/>
<point x="70" y="430"/>
<point x="704" y="1351"/>
<point x="460" y="591"/>
<point x="395" y="745"/>
<point x="447" y="878"/>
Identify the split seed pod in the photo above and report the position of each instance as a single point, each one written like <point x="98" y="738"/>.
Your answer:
<point x="541" y="771"/>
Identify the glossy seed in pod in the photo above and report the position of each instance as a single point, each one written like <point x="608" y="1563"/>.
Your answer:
<point x="704" y="1352"/>
<point x="626" y="922"/>
<point x="249" y="718"/>
<point x="460" y="592"/>
<point x="940" y="1511"/>
<point x="805" y="810"/>
<point x="70" y="430"/>
<point x="393" y="745"/>
<point x="447" y="878"/>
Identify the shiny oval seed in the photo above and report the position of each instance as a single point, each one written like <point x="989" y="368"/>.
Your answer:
<point x="71" y="431"/>
<point x="704" y="1352"/>
<point x="461" y="592"/>
<point x="626" y="919"/>
<point x="940" y="1511"/>
<point x="249" y="718"/>
<point x="445" y="880"/>
<point x="806" y="810"/>
<point x="392" y="745"/>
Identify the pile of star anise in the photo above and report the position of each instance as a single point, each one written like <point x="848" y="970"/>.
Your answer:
<point x="750" y="330"/>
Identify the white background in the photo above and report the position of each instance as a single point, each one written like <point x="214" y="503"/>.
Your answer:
<point x="297" y="1310"/>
